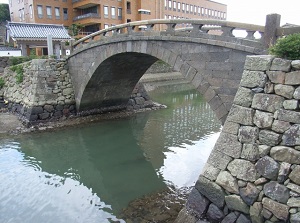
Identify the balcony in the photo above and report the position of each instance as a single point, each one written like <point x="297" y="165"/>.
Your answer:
<point x="83" y="4"/>
<point x="88" y="19"/>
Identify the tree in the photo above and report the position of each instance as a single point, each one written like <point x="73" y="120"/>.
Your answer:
<point x="4" y="13"/>
<point x="74" y="29"/>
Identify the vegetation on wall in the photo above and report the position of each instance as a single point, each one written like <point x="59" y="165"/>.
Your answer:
<point x="22" y="59"/>
<point x="2" y="83"/>
<point x="18" y="69"/>
<point x="287" y="47"/>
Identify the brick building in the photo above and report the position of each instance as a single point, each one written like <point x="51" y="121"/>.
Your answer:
<point x="98" y="14"/>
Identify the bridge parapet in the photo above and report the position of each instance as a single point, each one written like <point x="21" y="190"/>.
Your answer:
<point x="195" y="28"/>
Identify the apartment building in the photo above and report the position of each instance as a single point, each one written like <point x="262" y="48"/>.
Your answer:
<point x="94" y="15"/>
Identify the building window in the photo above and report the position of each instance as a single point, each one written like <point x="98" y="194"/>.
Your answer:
<point x="49" y="12"/>
<point x="178" y="6"/>
<point x="174" y="6"/>
<point x="170" y="4"/>
<point x="166" y="3"/>
<point x="119" y="13"/>
<point x="128" y="7"/>
<point x="209" y="12"/>
<point x="20" y="14"/>
<point x="30" y="11"/>
<point x="105" y="8"/>
<point x="187" y="8"/>
<point x="144" y="11"/>
<point x="40" y="11"/>
<point x="65" y="11"/>
<point x="57" y="14"/>
<point x="64" y="0"/>
<point x="195" y="9"/>
<point x="106" y="26"/>
<point x="113" y="12"/>
<point x="183" y="7"/>
<point x="192" y="8"/>
<point x="199" y="10"/>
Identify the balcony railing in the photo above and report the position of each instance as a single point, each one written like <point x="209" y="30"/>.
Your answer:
<point x="88" y="15"/>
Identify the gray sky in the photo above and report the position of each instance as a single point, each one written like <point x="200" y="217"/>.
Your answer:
<point x="255" y="11"/>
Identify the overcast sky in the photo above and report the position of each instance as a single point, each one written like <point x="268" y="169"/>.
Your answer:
<point x="255" y="11"/>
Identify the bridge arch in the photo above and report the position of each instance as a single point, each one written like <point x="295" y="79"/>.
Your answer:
<point x="105" y="73"/>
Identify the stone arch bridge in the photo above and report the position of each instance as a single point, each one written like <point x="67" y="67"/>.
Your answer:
<point x="106" y="65"/>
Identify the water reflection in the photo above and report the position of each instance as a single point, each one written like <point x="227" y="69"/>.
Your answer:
<point x="89" y="173"/>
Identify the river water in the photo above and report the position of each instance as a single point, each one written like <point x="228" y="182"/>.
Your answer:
<point x="91" y="173"/>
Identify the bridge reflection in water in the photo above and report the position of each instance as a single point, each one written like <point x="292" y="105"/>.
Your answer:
<point x="91" y="172"/>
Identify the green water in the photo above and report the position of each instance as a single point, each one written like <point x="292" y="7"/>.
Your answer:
<point x="90" y="173"/>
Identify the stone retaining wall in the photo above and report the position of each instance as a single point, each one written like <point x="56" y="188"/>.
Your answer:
<point x="46" y="92"/>
<point x="253" y="172"/>
<point x="4" y="62"/>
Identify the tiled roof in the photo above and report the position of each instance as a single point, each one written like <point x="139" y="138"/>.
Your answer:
<point x="7" y="48"/>
<point x="36" y="31"/>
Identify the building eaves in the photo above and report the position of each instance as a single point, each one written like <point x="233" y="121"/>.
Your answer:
<point x="34" y="31"/>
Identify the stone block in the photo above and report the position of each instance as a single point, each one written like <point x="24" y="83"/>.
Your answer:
<point x="292" y="78"/>
<point x="230" y="218"/>
<point x="284" y="171"/>
<point x="236" y="203"/>
<point x="229" y="145"/>
<point x="285" y="154"/>
<point x="185" y="216"/>
<point x="210" y="172"/>
<point x="267" y="167"/>
<point x="269" y="88"/>
<point x="277" y="192"/>
<point x="294" y="202"/>
<point x="263" y="150"/>
<point x="295" y="218"/>
<point x="243" y="219"/>
<point x="263" y="119"/>
<point x="291" y="136"/>
<point x="211" y="190"/>
<point x="281" y="65"/>
<point x="286" y="91"/>
<point x="267" y="102"/>
<point x="296" y="64"/>
<point x="250" y="152"/>
<point x="256" y="213"/>
<point x="297" y="93"/>
<point x="280" y="126"/>
<point x="248" y="134"/>
<point x="260" y="62"/>
<point x="218" y="159"/>
<point x="290" y="104"/>
<point x="277" y="77"/>
<point x="289" y="116"/>
<point x="249" y="194"/>
<point x="243" y="97"/>
<point x="197" y="203"/>
<point x="295" y="175"/>
<point x="228" y="182"/>
<point x="243" y="169"/>
<point x="231" y="127"/>
<point x="252" y="79"/>
<point x="214" y="214"/>
<point x="281" y="211"/>
<point x="241" y="115"/>
<point x="269" y="138"/>
<point x="294" y="187"/>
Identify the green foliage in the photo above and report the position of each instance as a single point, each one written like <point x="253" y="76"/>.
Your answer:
<point x="74" y="29"/>
<point x="22" y="59"/>
<point x="287" y="47"/>
<point x="2" y="83"/>
<point x="18" y="69"/>
<point x="4" y="13"/>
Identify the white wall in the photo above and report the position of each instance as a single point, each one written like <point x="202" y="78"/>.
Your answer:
<point x="14" y="53"/>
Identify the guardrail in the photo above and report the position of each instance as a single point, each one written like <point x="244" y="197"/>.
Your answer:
<point x="88" y="15"/>
<point x="195" y="29"/>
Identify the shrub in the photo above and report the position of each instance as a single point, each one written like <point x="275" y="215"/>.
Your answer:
<point x="1" y="82"/>
<point x="18" y="69"/>
<point x="287" y="47"/>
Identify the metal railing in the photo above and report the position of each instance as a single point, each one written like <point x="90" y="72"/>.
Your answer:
<point x="88" y="15"/>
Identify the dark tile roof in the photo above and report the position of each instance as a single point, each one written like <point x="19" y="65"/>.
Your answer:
<point x="8" y="48"/>
<point x="36" y="31"/>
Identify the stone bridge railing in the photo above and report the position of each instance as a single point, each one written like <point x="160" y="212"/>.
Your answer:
<point x="196" y="28"/>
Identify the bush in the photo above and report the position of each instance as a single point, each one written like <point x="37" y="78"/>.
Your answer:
<point x="18" y="69"/>
<point x="1" y="82"/>
<point x="287" y="47"/>
<point x="22" y="59"/>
